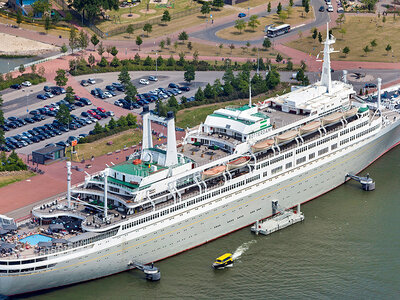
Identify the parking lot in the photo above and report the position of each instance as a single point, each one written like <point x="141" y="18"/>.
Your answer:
<point x="20" y="103"/>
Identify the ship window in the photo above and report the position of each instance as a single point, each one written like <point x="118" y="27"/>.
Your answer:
<point x="288" y="165"/>
<point x="301" y="160"/>
<point x="3" y="271"/>
<point x="3" y="262"/>
<point x="334" y="146"/>
<point x="41" y="268"/>
<point x="311" y="156"/>
<point x="29" y="261"/>
<point x="14" y="262"/>
<point x="13" y="271"/>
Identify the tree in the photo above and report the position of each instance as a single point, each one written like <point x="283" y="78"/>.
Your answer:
<point x="266" y="43"/>
<point x="209" y="92"/>
<point x="301" y="77"/>
<point x="108" y="49"/>
<point x="162" y="44"/>
<point x="98" y="128"/>
<point x="168" y="41"/>
<point x="279" y="58"/>
<point x="130" y="30"/>
<point x="181" y="61"/>
<point x="61" y="78"/>
<point x="272" y="79"/>
<point x="103" y="62"/>
<point x="21" y="68"/>
<point x="183" y="36"/>
<point x="218" y="3"/>
<point x="91" y="60"/>
<point x="346" y="50"/>
<point x="41" y="71"/>
<point x="190" y="46"/>
<point x="73" y="39"/>
<point x="342" y="31"/>
<point x="307" y="7"/>
<point x="220" y="47"/>
<point x="172" y="102"/>
<point x="279" y="8"/>
<point x="384" y="19"/>
<point x="91" y="8"/>
<point x="131" y="119"/>
<point x="195" y="56"/>
<point x="148" y="61"/>
<point x="33" y="70"/>
<point x="366" y="49"/>
<point x="19" y="16"/>
<point x="314" y="33"/>
<point x="47" y="24"/>
<point x="83" y="40"/>
<point x="101" y="49"/>
<point x="199" y="96"/>
<point x="63" y="115"/>
<point x="112" y="124"/>
<point x="283" y="16"/>
<point x="148" y="28"/>
<point x="176" y="45"/>
<point x="320" y="37"/>
<point x="166" y="17"/>
<point x="115" y="62"/>
<point x="240" y="25"/>
<point x="94" y="40"/>
<point x="231" y="46"/>
<point x="69" y="94"/>
<point x="269" y="7"/>
<point x="64" y="48"/>
<point x="130" y="91"/>
<point x="41" y="7"/>
<point x="373" y="43"/>
<point x="253" y="22"/>
<point x="290" y="3"/>
<point x="189" y="74"/>
<point x="388" y="48"/>
<point x="139" y="41"/>
<point x="124" y="76"/>
<point x="340" y="20"/>
<point x="289" y="66"/>
<point x="114" y="51"/>
<point x="205" y="9"/>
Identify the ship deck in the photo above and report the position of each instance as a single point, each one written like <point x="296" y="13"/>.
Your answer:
<point x="279" y="118"/>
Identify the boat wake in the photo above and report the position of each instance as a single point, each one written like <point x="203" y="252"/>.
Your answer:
<point x="242" y="249"/>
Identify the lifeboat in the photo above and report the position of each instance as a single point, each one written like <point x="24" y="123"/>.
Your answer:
<point x="213" y="172"/>
<point x="286" y="136"/>
<point x="237" y="163"/>
<point x="351" y="112"/>
<point x="332" y="118"/>
<point x="263" y="145"/>
<point x="310" y="127"/>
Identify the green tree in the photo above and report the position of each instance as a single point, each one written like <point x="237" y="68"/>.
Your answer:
<point x="231" y="46"/>
<point x="148" y="28"/>
<point x="209" y="92"/>
<point x="346" y="50"/>
<point x="240" y="25"/>
<point x="307" y="7"/>
<point x="103" y="62"/>
<point x="170" y="61"/>
<point x="94" y="40"/>
<point x="83" y="40"/>
<point x="69" y="94"/>
<point x="162" y="44"/>
<point x="130" y="92"/>
<point x="172" y="102"/>
<point x="47" y="24"/>
<point x="279" y="8"/>
<point x="91" y="8"/>
<point x="108" y="49"/>
<point x="190" y="46"/>
<point x="122" y="121"/>
<point x="148" y="61"/>
<point x="283" y="15"/>
<point x="373" y="43"/>
<point x="388" y="48"/>
<point x="160" y="61"/>
<point x="289" y="66"/>
<point x="181" y="61"/>
<point x="91" y="60"/>
<point x="73" y="39"/>
<point x="64" y="48"/>
<point x="131" y="119"/>
<point x="278" y="58"/>
<point x="218" y="3"/>
<point x="101" y="49"/>
<point x="98" y="128"/>
<point x="41" y="7"/>
<point x="314" y="33"/>
<point x="199" y="96"/>
<point x="176" y="45"/>
<point x="320" y="37"/>
<point x="168" y="41"/>
<point x="269" y="7"/>
<point x="272" y="79"/>
<point x="63" y="115"/>
<point x="342" y="31"/>
<point x="115" y="62"/>
<point x="139" y="41"/>
<point x="130" y="30"/>
<point x="183" y="36"/>
<point x="114" y="51"/>
<point x="301" y="77"/>
<point x="124" y="78"/>
<point x="21" y="68"/>
<point x="366" y="49"/>
<point x="19" y="16"/>
<point x="61" y="78"/>
<point x="166" y="17"/>
<point x="112" y="124"/>
<point x="205" y="9"/>
<point x="33" y="70"/>
<point x="189" y="74"/>
<point x="266" y="43"/>
<point x="290" y="3"/>
<point x="253" y="22"/>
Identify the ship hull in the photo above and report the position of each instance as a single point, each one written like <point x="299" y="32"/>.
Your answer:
<point x="209" y="221"/>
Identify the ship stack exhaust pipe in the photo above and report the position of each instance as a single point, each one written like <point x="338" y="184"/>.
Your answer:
<point x="379" y="93"/>
<point x="345" y="76"/>
<point x="69" y="173"/>
<point x="147" y="141"/>
<point x="172" y="153"/>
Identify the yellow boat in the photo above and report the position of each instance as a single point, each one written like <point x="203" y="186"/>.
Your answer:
<point x="223" y="261"/>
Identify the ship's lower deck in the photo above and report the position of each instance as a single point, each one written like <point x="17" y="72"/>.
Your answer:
<point x="220" y="217"/>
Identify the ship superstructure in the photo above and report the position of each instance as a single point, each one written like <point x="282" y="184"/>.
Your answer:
<point x="227" y="173"/>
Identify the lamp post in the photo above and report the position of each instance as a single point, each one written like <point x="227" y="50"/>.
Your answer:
<point x="156" y="64"/>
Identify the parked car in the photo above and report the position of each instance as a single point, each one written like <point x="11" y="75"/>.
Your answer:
<point x="153" y="78"/>
<point x="79" y="103"/>
<point x="26" y="83"/>
<point x="144" y="81"/>
<point x="173" y="86"/>
<point x="118" y="103"/>
<point x="46" y="89"/>
<point x="41" y="96"/>
<point x="322" y="9"/>
<point x="91" y="80"/>
<point x="184" y="88"/>
<point x="101" y="109"/>
<point x="110" y="113"/>
<point x="16" y="86"/>
<point x="110" y="88"/>
<point x="86" y="101"/>
<point x="241" y="15"/>
<point x="29" y="120"/>
<point x="84" y="83"/>
<point x="49" y="95"/>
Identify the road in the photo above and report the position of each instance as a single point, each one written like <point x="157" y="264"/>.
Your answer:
<point x="209" y="34"/>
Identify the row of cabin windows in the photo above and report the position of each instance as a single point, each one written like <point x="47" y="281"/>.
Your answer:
<point x="276" y="159"/>
<point x="95" y="238"/>
<point x="301" y="150"/>
<point x="28" y="269"/>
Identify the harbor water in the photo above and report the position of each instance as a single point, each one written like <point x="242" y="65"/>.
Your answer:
<point x="348" y="247"/>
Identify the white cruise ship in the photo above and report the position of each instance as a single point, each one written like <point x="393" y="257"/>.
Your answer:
<point x="228" y="173"/>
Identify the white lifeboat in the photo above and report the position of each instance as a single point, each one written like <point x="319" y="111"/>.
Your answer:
<point x="351" y="112"/>
<point x="332" y="118"/>
<point x="213" y="172"/>
<point x="263" y="145"/>
<point x="310" y="127"/>
<point x="237" y="163"/>
<point x="286" y="136"/>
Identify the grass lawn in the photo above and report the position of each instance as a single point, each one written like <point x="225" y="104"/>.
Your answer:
<point x="174" y="26"/>
<point x="8" y="179"/>
<point x="214" y="50"/>
<point x="360" y="31"/>
<point x="297" y="16"/>
<point x="100" y="147"/>
<point x="193" y="116"/>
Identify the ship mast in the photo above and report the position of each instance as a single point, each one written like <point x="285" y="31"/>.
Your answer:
<point x="326" y="79"/>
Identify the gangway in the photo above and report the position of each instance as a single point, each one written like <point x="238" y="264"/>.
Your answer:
<point x="152" y="273"/>
<point x="366" y="182"/>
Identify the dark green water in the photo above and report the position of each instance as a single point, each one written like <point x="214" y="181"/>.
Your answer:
<point x="347" y="248"/>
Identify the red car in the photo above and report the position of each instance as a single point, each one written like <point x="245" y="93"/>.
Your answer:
<point x="97" y="116"/>
<point x="91" y="112"/>
<point x="101" y="109"/>
<point x="77" y="97"/>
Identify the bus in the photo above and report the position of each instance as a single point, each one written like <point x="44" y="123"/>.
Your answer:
<point x="272" y="31"/>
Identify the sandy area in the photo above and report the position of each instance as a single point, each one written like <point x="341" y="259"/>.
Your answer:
<point x="150" y="11"/>
<point x="13" y="45"/>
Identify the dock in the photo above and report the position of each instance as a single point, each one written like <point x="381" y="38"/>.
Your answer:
<point x="279" y="221"/>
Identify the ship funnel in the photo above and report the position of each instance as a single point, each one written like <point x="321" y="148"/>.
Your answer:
<point x="147" y="141"/>
<point x="172" y="153"/>
<point x="345" y="76"/>
<point x="379" y="93"/>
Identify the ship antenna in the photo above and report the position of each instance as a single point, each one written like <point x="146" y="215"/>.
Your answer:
<point x="326" y="79"/>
